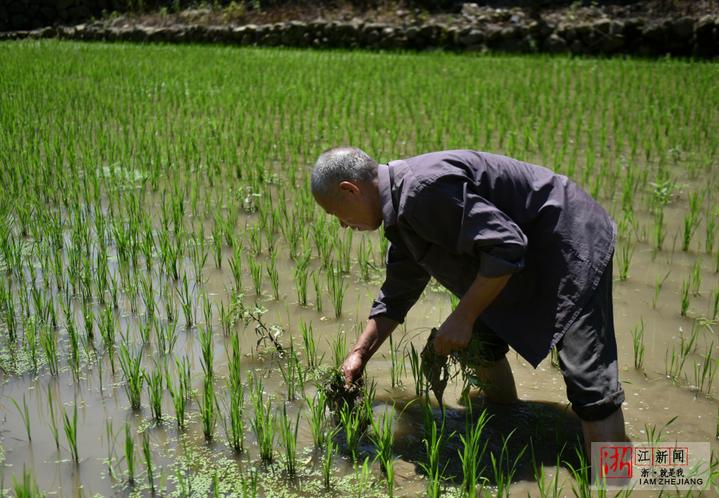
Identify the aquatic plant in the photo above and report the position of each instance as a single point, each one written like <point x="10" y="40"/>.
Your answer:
<point x="70" y="427"/>
<point x="134" y="377"/>
<point x="149" y="468"/>
<point x="130" y="454"/>
<point x="382" y="437"/>
<point x="638" y="344"/>
<point x="473" y="449"/>
<point x="288" y="434"/>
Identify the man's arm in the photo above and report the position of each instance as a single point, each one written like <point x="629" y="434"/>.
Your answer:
<point x="404" y="282"/>
<point x="456" y="331"/>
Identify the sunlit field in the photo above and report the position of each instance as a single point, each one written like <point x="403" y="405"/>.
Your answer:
<point x="173" y="304"/>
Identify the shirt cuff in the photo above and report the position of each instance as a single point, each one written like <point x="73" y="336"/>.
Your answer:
<point x="492" y="266"/>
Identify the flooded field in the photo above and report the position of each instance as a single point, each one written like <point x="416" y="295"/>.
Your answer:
<point x="172" y="302"/>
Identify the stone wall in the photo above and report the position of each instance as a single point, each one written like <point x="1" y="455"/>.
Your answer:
<point x="684" y="36"/>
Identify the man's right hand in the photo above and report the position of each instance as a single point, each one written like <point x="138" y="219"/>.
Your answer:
<point x="352" y="368"/>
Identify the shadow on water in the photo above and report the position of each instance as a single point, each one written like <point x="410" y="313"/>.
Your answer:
<point x="534" y="430"/>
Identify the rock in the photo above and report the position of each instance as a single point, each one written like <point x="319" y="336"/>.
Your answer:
<point x="555" y="44"/>
<point x="471" y="10"/>
<point x="683" y="28"/>
<point x="470" y="38"/>
<point x="706" y="37"/>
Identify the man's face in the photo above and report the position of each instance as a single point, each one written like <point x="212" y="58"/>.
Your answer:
<point x="354" y="207"/>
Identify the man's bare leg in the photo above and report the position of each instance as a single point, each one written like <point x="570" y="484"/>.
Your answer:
<point x="498" y="381"/>
<point x="610" y="429"/>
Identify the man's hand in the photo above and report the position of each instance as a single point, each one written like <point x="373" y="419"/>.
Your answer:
<point x="454" y="334"/>
<point x="352" y="368"/>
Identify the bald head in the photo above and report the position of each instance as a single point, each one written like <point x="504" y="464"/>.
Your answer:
<point x="341" y="164"/>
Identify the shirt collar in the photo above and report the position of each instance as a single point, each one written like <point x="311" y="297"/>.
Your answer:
<point x="389" y="214"/>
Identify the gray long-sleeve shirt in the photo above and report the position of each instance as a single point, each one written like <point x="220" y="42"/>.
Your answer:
<point x="454" y="214"/>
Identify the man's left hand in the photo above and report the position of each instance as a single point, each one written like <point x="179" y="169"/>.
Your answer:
<point x="454" y="334"/>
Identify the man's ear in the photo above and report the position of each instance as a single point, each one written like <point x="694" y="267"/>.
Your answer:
<point x="349" y="187"/>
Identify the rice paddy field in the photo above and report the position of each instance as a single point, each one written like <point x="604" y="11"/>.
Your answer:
<point x="173" y="304"/>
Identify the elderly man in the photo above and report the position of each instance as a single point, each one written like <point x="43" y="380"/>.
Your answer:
<point x="526" y="250"/>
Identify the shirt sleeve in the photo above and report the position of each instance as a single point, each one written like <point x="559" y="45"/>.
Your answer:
<point x="450" y="213"/>
<point x="404" y="283"/>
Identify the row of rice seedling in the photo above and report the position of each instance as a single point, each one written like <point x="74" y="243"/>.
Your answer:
<point x="128" y="200"/>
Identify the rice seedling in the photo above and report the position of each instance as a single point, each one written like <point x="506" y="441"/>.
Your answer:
<point x="236" y="429"/>
<point x="504" y="467"/>
<point x="715" y="306"/>
<point x="165" y="337"/>
<point x="364" y="259"/>
<point x="397" y="365"/>
<point x="695" y="278"/>
<point x="263" y="423"/>
<point x="292" y="373"/>
<point x="273" y="274"/>
<point x="235" y="264"/>
<point x="473" y="450"/>
<point x="70" y="427"/>
<point x="288" y="434"/>
<point x="208" y="408"/>
<point x="705" y="372"/>
<point x="336" y="288"/>
<point x="317" y="406"/>
<point x="301" y="274"/>
<point x="383" y="438"/>
<point x="624" y="259"/>
<point x="53" y="421"/>
<point x="551" y="489"/>
<point x="710" y="230"/>
<point x="256" y="274"/>
<point x="318" y="290"/>
<point x="685" y="298"/>
<point x="420" y="385"/>
<point x="638" y="344"/>
<point x="329" y="450"/>
<point x="24" y="415"/>
<point x="433" y="442"/>
<point x="217" y="231"/>
<point x="351" y="423"/>
<point x="155" y="385"/>
<point x="658" y="284"/>
<point x="654" y="435"/>
<point x="132" y="372"/>
<point x="308" y="339"/>
<point x="27" y="487"/>
<point x="111" y="439"/>
<point x="30" y="327"/>
<point x="130" y="454"/>
<point x="106" y="326"/>
<point x="208" y="351"/>
<point x="339" y="349"/>
<point x="186" y="302"/>
<point x="149" y="468"/>
<point x="581" y="485"/>
<point x="48" y="342"/>
<point x="691" y="219"/>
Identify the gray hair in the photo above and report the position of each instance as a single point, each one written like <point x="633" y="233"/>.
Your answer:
<point x="341" y="164"/>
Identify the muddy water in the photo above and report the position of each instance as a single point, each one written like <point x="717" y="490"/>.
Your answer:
<point x="542" y="416"/>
